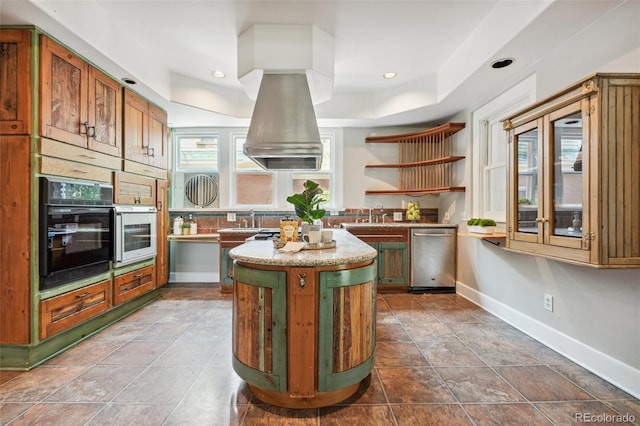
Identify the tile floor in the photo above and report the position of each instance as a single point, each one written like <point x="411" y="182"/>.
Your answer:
<point x="440" y="360"/>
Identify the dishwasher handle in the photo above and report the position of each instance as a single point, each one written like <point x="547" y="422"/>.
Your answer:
<point x="433" y="235"/>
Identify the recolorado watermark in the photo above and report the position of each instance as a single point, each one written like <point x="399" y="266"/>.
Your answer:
<point x="604" y="418"/>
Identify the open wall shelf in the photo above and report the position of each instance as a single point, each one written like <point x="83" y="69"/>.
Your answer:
<point x="425" y="161"/>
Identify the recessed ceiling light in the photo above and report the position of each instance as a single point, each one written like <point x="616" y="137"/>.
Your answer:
<point x="129" y="80"/>
<point x="217" y="74"/>
<point x="389" y="75"/>
<point x="501" y="63"/>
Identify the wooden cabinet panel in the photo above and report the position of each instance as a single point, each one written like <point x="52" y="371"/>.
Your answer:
<point x="145" y="131"/>
<point x="579" y="212"/>
<point x="58" y="167"/>
<point x="105" y="114"/>
<point x="15" y="240"/>
<point x="162" y="262"/>
<point x="144" y="169"/>
<point x="63" y="94"/>
<point x="64" y="311"/>
<point x="65" y="151"/>
<point x="158" y="136"/>
<point x="133" y="189"/>
<point x="131" y="285"/>
<point x="136" y="134"/>
<point x="79" y="104"/>
<point x="15" y="82"/>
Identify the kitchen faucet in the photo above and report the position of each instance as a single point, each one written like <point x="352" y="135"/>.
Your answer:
<point x="374" y="207"/>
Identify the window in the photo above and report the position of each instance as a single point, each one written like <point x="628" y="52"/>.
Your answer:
<point x="253" y="185"/>
<point x="196" y="152"/>
<point x="322" y="177"/>
<point x="490" y="151"/>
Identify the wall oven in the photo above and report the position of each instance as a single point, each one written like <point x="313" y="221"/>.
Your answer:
<point x="135" y="234"/>
<point x="76" y="229"/>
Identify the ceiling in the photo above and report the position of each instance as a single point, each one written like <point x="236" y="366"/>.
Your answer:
<point x="441" y="50"/>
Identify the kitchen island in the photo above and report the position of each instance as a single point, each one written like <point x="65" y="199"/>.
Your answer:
<point x="304" y="322"/>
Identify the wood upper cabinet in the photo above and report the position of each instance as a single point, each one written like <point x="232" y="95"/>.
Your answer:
<point x="15" y="82"/>
<point x="78" y="104"/>
<point x="158" y="137"/>
<point x="145" y="131"/>
<point x="133" y="189"/>
<point x="162" y="261"/>
<point x="574" y="180"/>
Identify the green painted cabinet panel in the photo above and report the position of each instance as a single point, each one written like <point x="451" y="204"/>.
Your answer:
<point x="393" y="262"/>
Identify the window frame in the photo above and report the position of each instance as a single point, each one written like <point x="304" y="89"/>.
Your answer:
<point x="177" y="134"/>
<point x="509" y="102"/>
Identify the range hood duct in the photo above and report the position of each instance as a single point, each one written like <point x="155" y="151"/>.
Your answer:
<point x="283" y="134"/>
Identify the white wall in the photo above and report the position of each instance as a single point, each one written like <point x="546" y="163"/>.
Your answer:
<point x="596" y="317"/>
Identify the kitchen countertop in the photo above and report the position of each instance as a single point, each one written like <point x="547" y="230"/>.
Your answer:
<point x="349" y="249"/>
<point x="397" y="225"/>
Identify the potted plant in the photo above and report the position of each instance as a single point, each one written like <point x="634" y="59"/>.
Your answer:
<point x="307" y="204"/>
<point x="481" y="225"/>
<point x="186" y="228"/>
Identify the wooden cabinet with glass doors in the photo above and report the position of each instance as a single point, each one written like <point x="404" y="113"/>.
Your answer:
<point x="574" y="174"/>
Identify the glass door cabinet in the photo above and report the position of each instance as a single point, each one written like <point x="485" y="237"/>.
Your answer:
<point x="573" y="174"/>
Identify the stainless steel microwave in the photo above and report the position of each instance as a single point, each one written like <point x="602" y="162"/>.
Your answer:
<point x="135" y="234"/>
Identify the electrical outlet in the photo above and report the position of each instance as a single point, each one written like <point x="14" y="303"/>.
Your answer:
<point x="548" y="302"/>
<point x="231" y="217"/>
<point x="397" y="216"/>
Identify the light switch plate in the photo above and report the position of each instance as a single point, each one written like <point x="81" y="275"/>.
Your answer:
<point x="231" y="217"/>
<point x="397" y="216"/>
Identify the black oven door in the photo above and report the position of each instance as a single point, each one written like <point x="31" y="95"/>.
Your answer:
<point x="76" y="242"/>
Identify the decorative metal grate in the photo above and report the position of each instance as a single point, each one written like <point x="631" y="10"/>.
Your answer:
<point x="201" y="190"/>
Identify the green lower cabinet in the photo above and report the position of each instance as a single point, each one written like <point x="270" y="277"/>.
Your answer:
<point x="226" y="268"/>
<point x="393" y="262"/>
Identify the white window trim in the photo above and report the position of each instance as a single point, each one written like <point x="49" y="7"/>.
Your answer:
<point x="516" y="98"/>
<point x="193" y="132"/>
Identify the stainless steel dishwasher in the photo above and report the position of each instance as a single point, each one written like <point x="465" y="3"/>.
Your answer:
<point x="433" y="260"/>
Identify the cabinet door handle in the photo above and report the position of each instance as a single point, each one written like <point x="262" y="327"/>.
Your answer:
<point x="160" y="205"/>
<point x="83" y="295"/>
<point x="84" y="130"/>
<point x="87" y="156"/>
<point x="138" y="275"/>
<point x="80" y="171"/>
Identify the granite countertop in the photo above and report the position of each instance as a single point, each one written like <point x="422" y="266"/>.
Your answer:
<point x="349" y="249"/>
<point x="397" y="225"/>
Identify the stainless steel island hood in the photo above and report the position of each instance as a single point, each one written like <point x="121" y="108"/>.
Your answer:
<point x="283" y="134"/>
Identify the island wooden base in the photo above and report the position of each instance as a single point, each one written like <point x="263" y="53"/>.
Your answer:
<point x="304" y="337"/>
<point x="322" y="399"/>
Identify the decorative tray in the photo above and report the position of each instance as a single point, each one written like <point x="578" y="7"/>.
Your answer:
<point x="319" y="246"/>
<point x="307" y="246"/>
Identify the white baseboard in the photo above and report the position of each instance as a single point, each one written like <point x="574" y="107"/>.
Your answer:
<point x="194" y="277"/>
<point x="610" y="369"/>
